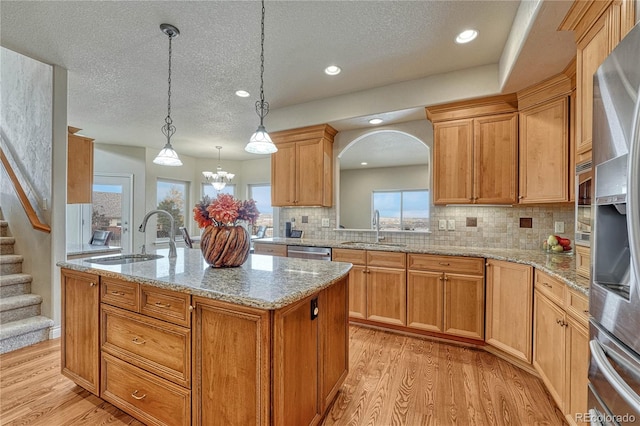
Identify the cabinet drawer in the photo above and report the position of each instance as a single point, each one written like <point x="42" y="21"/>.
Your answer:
<point x="161" y="348"/>
<point x="166" y="305"/>
<point x="357" y="257"/>
<point x="121" y="293"/>
<point x="550" y="287"/>
<point x="270" y="249"/>
<point x="578" y="306"/>
<point x="150" y="399"/>
<point x="389" y="259"/>
<point x="452" y="264"/>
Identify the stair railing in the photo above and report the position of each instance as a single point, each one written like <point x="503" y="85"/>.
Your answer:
<point x="22" y="196"/>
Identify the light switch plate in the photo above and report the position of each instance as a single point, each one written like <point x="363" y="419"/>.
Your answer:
<point x="451" y="225"/>
<point x="558" y="227"/>
<point x="325" y="222"/>
<point x="442" y="225"/>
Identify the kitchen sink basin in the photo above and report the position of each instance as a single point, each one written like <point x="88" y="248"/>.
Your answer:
<point x="355" y="243"/>
<point x="122" y="259"/>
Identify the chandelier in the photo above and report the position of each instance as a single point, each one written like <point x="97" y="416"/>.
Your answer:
<point x="260" y="142"/>
<point x="168" y="156"/>
<point x="220" y="178"/>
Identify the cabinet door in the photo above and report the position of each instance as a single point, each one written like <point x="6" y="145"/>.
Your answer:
<point x="358" y="292"/>
<point x="310" y="173"/>
<point x="583" y="261"/>
<point x="549" y="346"/>
<point x="495" y="149"/>
<point x="296" y="365"/>
<point x="453" y="162"/>
<point x="425" y="295"/>
<point x="79" y="169"/>
<point x="509" y="308"/>
<point x="577" y="369"/>
<point x="544" y="153"/>
<point x="231" y="359"/>
<point x="283" y="175"/>
<point x="464" y="305"/>
<point x="80" y="355"/>
<point x="592" y="51"/>
<point x="387" y="295"/>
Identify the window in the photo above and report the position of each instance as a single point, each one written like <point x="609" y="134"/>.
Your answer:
<point x="209" y="190"/>
<point x="262" y="196"/>
<point x="172" y="197"/>
<point x="403" y="210"/>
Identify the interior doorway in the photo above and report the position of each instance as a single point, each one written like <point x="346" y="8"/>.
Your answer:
<point x="111" y="208"/>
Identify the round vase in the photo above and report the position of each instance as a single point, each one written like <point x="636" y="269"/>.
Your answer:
<point x="225" y="246"/>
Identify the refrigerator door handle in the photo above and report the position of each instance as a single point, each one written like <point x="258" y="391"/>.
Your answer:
<point x="623" y="389"/>
<point x="633" y="191"/>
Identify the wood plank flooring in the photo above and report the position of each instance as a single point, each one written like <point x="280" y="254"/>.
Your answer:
<point x="393" y="380"/>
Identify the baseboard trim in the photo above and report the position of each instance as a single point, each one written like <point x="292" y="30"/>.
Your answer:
<point x="55" y="332"/>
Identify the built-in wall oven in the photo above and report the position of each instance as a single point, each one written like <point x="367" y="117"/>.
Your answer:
<point x="614" y="297"/>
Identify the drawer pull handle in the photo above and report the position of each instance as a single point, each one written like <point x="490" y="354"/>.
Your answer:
<point x="547" y="285"/>
<point x="135" y="395"/>
<point x="162" y="305"/>
<point x="443" y="263"/>
<point x="118" y="293"/>
<point x="137" y="341"/>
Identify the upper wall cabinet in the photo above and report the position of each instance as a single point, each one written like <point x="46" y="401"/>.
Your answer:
<point x="302" y="169"/>
<point x="475" y="151"/>
<point x="544" y="160"/>
<point x="79" y="167"/>
<point x="598" y="26"/>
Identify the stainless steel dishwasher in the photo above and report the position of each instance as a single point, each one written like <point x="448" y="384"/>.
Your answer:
<point x="307" y="252"/>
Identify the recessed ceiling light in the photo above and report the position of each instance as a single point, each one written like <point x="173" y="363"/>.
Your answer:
<point x="466" y="36"/>
<point x="364" y="163"/>
<point x="332" y="70"/>
<point x="375" y="121"/>
<point x="242" y="93"/>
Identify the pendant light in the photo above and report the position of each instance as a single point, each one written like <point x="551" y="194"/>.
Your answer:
<point x="168" y="157"/>
<point x="260" y="142"/>
<point x="220" y="178"/>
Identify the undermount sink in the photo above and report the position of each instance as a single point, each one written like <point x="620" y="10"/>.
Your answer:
<point x="354" y="243"/>
<point x="122" y="259"/>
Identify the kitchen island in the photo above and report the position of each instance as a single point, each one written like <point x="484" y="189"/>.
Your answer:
<point x="173" y="341"/>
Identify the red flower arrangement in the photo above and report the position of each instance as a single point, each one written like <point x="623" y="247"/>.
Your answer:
<point x="225" y="210"/>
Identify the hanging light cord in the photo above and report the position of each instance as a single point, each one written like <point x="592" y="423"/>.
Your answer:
<point x="262" y="107"/>
<point x="169" y="129"/>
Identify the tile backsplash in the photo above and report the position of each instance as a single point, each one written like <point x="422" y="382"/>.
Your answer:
<point x="495" y="227"/>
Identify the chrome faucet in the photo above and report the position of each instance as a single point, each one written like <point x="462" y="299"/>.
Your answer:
<point x="172" y="235"/>
<point x="376" y="222"/>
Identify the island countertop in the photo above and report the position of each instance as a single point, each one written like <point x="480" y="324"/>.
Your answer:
<point x="265" y="282"/>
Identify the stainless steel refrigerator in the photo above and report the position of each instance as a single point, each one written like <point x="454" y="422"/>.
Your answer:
<point x="614" y="371"/>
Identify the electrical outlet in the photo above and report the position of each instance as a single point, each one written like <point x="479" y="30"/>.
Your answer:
<point x="558" y="227"/>
<point x="325" y="222"/>
<point x="451" y="225"/>
<point x="442" y="225"/>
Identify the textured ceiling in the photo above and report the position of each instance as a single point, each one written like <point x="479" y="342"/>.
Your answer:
<point x="117" y="59"/>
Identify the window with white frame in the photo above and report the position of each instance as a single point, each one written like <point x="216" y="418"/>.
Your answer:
<point x="172" y="196"/>
<point x="402" y="210"/>
<point x="261" y="193"/>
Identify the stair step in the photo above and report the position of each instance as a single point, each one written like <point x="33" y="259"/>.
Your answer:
<point x="10" y="264"/>
<point x="15" y="308"/>
<point x="25" y="332"/>
<point x="15" y="284"/>
<point x="6" y="245"/>
<point x="4" y="227"/>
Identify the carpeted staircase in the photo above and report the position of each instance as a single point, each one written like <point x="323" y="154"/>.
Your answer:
<point x="20" y="321"/>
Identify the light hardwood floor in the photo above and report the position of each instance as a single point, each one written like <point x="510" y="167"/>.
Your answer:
<point x="393" y="380"/>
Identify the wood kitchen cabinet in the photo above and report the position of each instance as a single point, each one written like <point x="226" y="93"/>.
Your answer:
<point x="544" y="158"/>
<point x="475" y="151"/>
<point x="598" y="27"/>
<point x="302" y="168"/>
<point x="509" y="307"/>
<point x="446" y="295"/>
<point x="583" y="261"/>
<point x="80" y="354"/>
<point x="377" y="285"/>
<point x="79" y="167"/>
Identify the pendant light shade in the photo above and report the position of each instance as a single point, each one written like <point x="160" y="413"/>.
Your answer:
<point x="220" y="178"/>
<point x="260" y="142"/>
<point x="168" y="156"/>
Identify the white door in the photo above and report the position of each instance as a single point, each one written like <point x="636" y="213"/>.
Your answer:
<point x="111" y="208"/>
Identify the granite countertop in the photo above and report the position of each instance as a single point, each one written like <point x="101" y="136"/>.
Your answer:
<point x="89" y="249"/>
<point x="265" y="282"/>
<point x="560" y="266"/>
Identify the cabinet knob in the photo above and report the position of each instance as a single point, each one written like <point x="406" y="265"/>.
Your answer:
<point x="520" y="197"/>
<point x="191" y="308"/>
<point x="487" y="264"/>
<point x="92" y="284"/>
